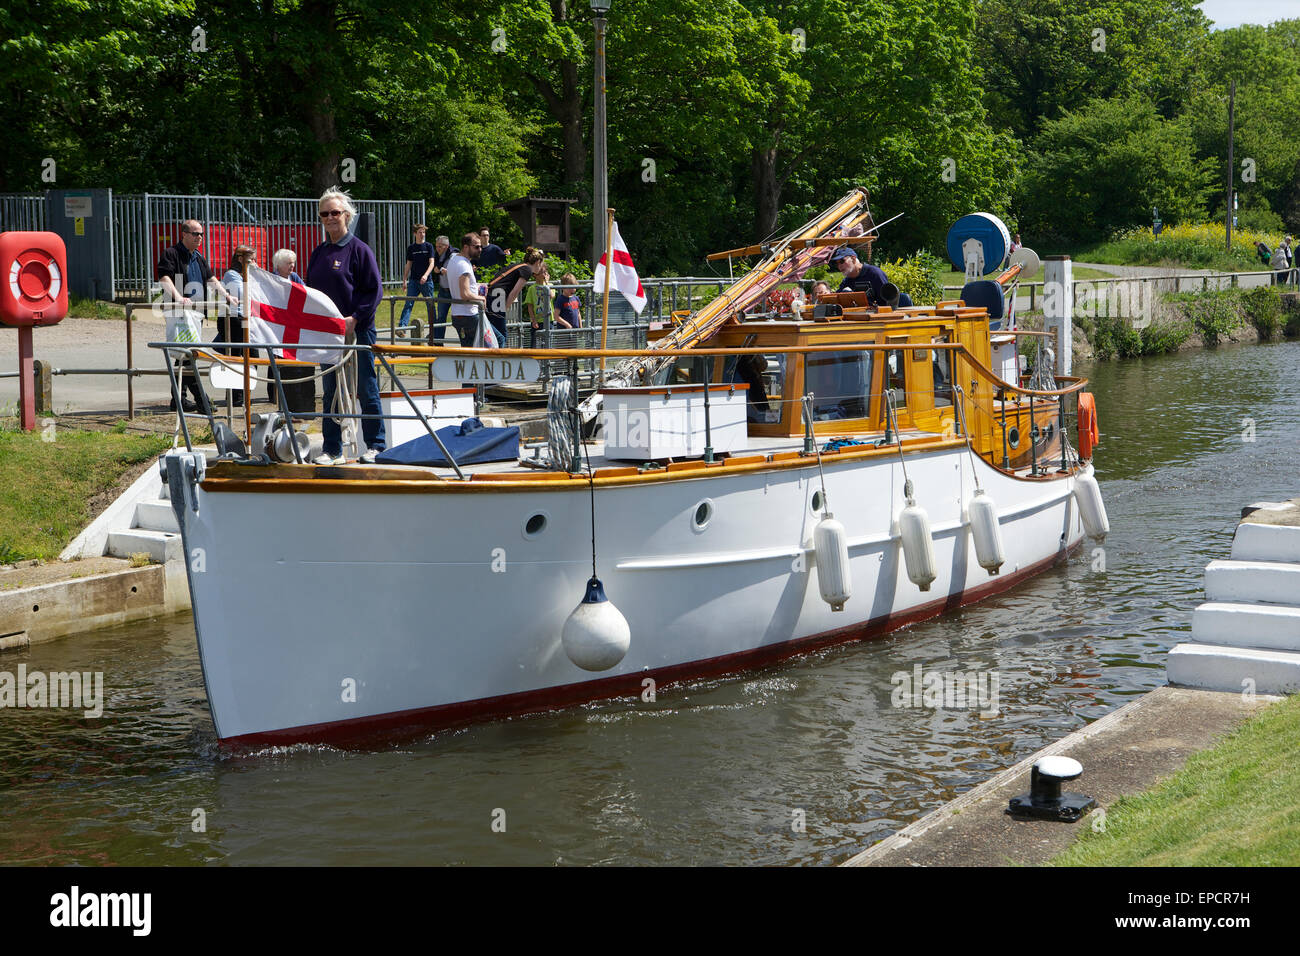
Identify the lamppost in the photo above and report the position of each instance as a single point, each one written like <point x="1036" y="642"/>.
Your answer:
<point x="600" y="171"/>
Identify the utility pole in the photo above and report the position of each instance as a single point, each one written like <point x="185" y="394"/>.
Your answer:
<point x="600" y="161"/>
<point x="1232" y="96"/>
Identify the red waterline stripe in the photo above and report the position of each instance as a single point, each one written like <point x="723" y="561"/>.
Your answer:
<point x="410" y="723"/>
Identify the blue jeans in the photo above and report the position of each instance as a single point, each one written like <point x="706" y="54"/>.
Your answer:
<point x="372" y="429"/>
<point x="415" y="287"/>
<point x="444" y="306"/>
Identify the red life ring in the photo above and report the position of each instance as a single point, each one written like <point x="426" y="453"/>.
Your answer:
<point x="35" y="279"/>
<point x="1089" y="436"/>
<point x="33" y="290"/>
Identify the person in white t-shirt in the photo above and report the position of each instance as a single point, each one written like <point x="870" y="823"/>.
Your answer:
<point x="465" y="300"/>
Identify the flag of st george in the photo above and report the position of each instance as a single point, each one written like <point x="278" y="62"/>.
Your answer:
<point x="623" y="278"/>
<point x="286" y="313"/>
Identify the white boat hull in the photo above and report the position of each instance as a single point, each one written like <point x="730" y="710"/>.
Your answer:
<point x="329" y="615"/>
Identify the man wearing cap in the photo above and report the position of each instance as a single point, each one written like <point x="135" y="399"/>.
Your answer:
<point x="859" y="276"/>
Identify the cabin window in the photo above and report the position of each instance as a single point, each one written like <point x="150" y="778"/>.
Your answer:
<point x="840" y="383"/>
<point x="687" y="371"/>
<point x="896" y="377"/>
<point x="942" y="367"/>
<point x="765" y="376"/>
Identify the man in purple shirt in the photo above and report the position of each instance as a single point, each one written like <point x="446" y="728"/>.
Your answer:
<point x="345" y="269"/>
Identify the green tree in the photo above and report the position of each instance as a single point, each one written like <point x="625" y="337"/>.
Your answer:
<point x="1043" y="57"/>
<point x="1265" y="63"/>
<point x="1101" y="168"/>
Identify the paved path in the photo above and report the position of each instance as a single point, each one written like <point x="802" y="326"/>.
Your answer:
<point x="1133" y="272"/>
<point x="1123" y="753"/>
<point x="91" y="343"/>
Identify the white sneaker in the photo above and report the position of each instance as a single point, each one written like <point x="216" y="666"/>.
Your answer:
<point x="369" y="457"/>
<point x="323" y="459"/>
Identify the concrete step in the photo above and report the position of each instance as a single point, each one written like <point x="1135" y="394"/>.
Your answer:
<point x="1274" y="582"/>
<point x="1234" y="669"/>
<point x="162" y="546"/>
<point x="158" y="516"/>
<point x="1272" y="626"/>
<point x="1266" y="542"/>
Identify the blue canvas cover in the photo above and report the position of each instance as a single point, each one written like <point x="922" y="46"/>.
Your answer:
<point x="469" y="443"/>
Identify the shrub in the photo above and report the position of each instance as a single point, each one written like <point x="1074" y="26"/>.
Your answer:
<point x="1113" y="337"/>
<point x="1263" y="306"/>
<point x="1163" y="336"/>
<point x="1213" y="315"/>
<point x="918" y="276"/>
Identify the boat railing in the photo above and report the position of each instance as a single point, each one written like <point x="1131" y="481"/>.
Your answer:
<point x="240" y="355"/>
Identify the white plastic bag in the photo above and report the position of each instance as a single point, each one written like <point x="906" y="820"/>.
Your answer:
<point x="184" y="325"/>
<point x="486" y="338"/>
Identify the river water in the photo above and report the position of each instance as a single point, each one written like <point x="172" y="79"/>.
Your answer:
<point x="803" y="763"/>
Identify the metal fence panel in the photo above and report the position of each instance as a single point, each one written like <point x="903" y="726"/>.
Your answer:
<point x="22" y="212"/>
<point x="147" y="224"/>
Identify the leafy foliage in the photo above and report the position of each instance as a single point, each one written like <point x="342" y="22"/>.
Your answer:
<point x="1103" y="168"/>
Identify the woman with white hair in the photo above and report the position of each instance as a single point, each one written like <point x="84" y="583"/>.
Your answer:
<point x="284" y="262"/>
<point x="345" y="269"/>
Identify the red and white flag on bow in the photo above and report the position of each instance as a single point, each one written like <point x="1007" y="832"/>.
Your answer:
<point x="624" y="277"/>
<point x="290" y="314"/>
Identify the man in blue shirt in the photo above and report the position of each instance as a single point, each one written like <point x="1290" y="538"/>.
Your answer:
<point x="419" y="266"/>
<point x="859" y="276"/>
<point x="492" y="254"/>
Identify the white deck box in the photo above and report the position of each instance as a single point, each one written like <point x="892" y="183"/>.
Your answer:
<point x="660" y="421"/>
<point x="444" y="406"/>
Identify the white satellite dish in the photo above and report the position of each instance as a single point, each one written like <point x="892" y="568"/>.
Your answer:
<point x="1028" y="260"/>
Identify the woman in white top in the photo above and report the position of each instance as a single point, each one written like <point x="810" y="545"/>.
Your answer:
<point x="230" y="324"/>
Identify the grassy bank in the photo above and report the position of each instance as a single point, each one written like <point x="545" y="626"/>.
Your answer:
<point x="54" y="479"/>
<point x="1212" y="316"/>
<point x="1231" y="806"/>
<point x="1198" y="246"/>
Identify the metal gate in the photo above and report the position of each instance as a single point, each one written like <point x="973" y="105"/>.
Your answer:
<point x="143" y="225"/>
<point x="147" y="224"/>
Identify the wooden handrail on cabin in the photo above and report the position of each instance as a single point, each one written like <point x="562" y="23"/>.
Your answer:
<point x="989" y="375"/>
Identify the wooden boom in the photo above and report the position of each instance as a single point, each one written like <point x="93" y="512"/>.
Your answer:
<point x="789" y="256"/>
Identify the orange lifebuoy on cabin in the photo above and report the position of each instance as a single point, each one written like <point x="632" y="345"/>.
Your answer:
<point x="1089" y="436"/>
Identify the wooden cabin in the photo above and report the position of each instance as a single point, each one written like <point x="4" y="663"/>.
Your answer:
<point x="849" y="387"/>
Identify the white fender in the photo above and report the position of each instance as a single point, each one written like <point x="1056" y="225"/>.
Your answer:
<point x="986" y="532"/>
<point x="1091" y="508"/>
<point x="596" y="635"/>
<point x="918" y="545"/>
<point x="831" y="552"/>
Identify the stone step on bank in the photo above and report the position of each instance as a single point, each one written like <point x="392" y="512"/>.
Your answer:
<point x="1246" y="636"/>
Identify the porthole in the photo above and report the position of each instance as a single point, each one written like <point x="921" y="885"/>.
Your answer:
<point x="535" y="524"/>
<point x="817" y="502"/>
<point x="702" y="515"/>
<point x="1013" y="436"/>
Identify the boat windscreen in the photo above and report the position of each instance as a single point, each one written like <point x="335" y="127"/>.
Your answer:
<point x="840" y="383"/>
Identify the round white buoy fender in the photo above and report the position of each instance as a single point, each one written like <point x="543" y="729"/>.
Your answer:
<point x="918" y="546"/>
<point x="986" y="532"/>
<point x="831" y="552"/>
<point x="1091" y="508"/>
<point x="596" y="636"/>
